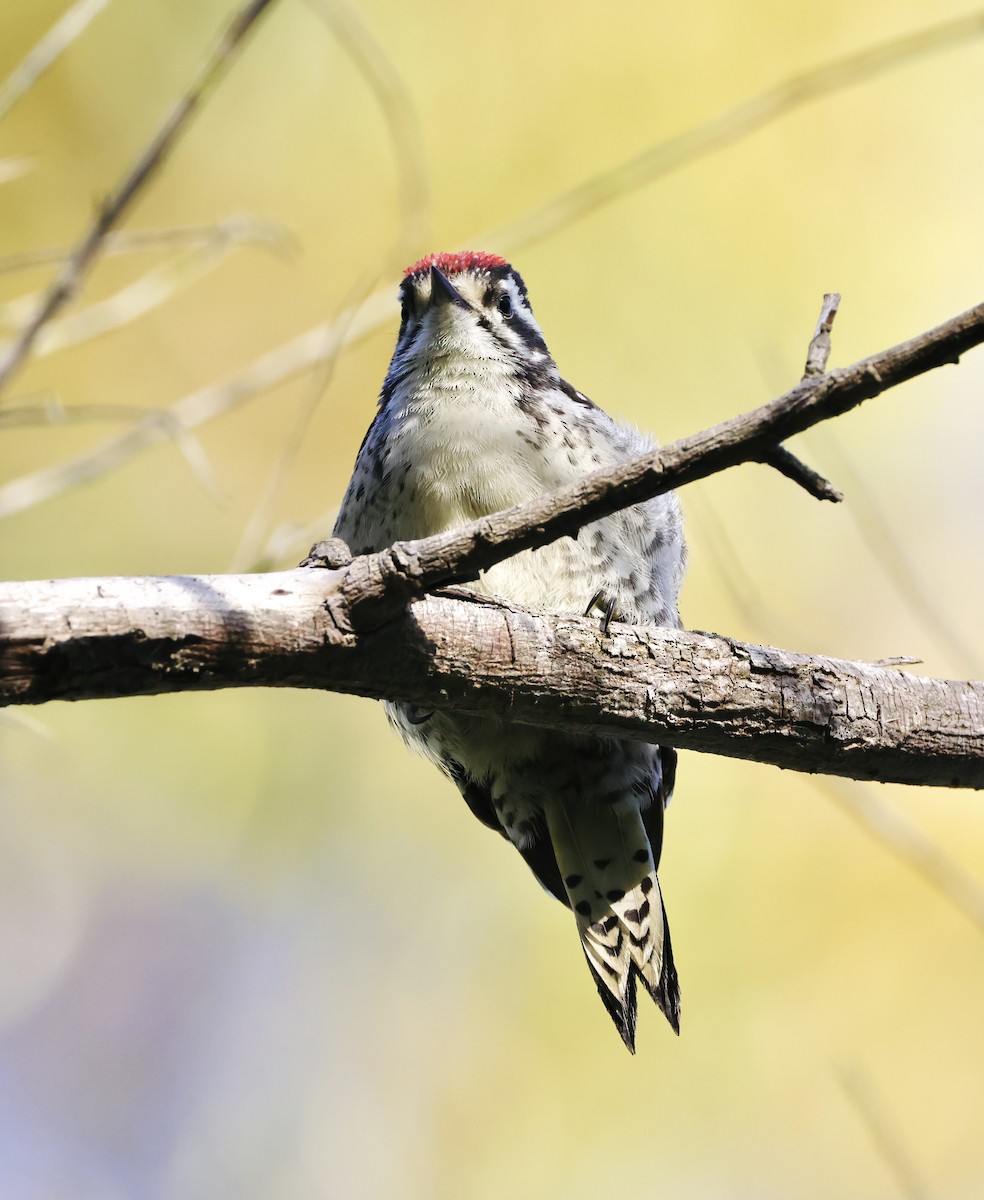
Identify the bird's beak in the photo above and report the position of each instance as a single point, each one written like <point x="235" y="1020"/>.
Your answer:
<point x="443" y="290"/>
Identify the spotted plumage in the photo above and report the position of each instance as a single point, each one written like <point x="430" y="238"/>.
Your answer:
<point x="473" y="418"/>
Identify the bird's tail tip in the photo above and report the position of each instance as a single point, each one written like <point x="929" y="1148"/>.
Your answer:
<point x="623" y="1009"/>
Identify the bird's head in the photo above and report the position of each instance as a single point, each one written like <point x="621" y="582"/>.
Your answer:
<point x="469" y="304"/>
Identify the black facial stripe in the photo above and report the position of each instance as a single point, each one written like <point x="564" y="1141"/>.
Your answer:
<point x="531" y="337"/>
<point x="509" y="273"/>
<point x="517" y="330"/>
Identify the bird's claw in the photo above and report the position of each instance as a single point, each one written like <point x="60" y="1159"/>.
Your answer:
<point x="607" y="604"/>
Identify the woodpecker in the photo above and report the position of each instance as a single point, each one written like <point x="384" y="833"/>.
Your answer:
<point x="474" y="417"/>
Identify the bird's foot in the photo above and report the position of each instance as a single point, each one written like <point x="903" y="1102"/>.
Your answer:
<point x="331" y="554"/>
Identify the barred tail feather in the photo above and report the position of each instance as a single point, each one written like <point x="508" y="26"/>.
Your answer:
<point x="609" y="872"/>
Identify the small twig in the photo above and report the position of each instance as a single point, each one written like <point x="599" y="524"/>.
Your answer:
<point x="399" y="111"/>
<point x="48" y="408"/>
<point x="58" y="38"/>
<point x="302" y="353"/>
<point x="786" y="463"/>
<point x="819" y="351"/>
<point x="783" y="459"/>
<point x="727" y="128"/>
<point x="72" y="274"/>
<point x="249" y="554"/>
<point x="137" y="298"/>
<point x="398" y="106"/>
<point x="307" y="349"/>
<point x="236" y="230"/>
<point x="411" y="569"/>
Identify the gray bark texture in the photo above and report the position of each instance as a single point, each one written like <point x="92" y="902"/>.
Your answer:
<point x="374" y="627"/>
<point x="77" y="639"/>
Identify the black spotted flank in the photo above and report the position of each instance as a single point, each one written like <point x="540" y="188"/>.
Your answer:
<point x="583" y="907"/>
<point x="601" y="863"/>
<point x="646" y="885"/>
<point x="573" y="881"/>
<point x="572" y="393"/>
<point x="615" y="894"/>
<point x="394" y="380"/>
<point x="641" y="855"/>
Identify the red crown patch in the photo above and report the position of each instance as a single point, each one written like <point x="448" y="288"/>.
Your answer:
<point x="466" y="260"/>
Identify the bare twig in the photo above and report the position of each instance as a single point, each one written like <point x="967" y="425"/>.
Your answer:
<point x="784" y="461"/>
<point x="819" y="350"/>
<point x="78" y="639"/>
<point x="275" y="367"/>
<point x="248" y="554"/>
<point x="307" y="350"/>
<point x="239" y="230"/>
<point x="414" y="568"/>
<point x="349" y="628"/>
<point x="399" y="110"/>
<point x="729" y="127"/>
<point x="50" y="410"/>
<point x="72" y="274"/>
<point x="58" y="38"/>
<point x="139" y="297"/>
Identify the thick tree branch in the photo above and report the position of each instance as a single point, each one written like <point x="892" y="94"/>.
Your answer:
<point x="79" y="639"/>
<point x="348" y="628"/>
<point x="381" y="584"/>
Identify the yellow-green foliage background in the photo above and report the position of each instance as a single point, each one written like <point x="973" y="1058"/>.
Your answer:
<point x="251" y="948"/>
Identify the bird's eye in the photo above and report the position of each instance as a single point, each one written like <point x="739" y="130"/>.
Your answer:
<point x="406" y="306"/>
<point x="505" y="306"/>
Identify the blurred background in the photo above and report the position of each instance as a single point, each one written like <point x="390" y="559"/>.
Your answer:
<point x="250" y="947"/>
